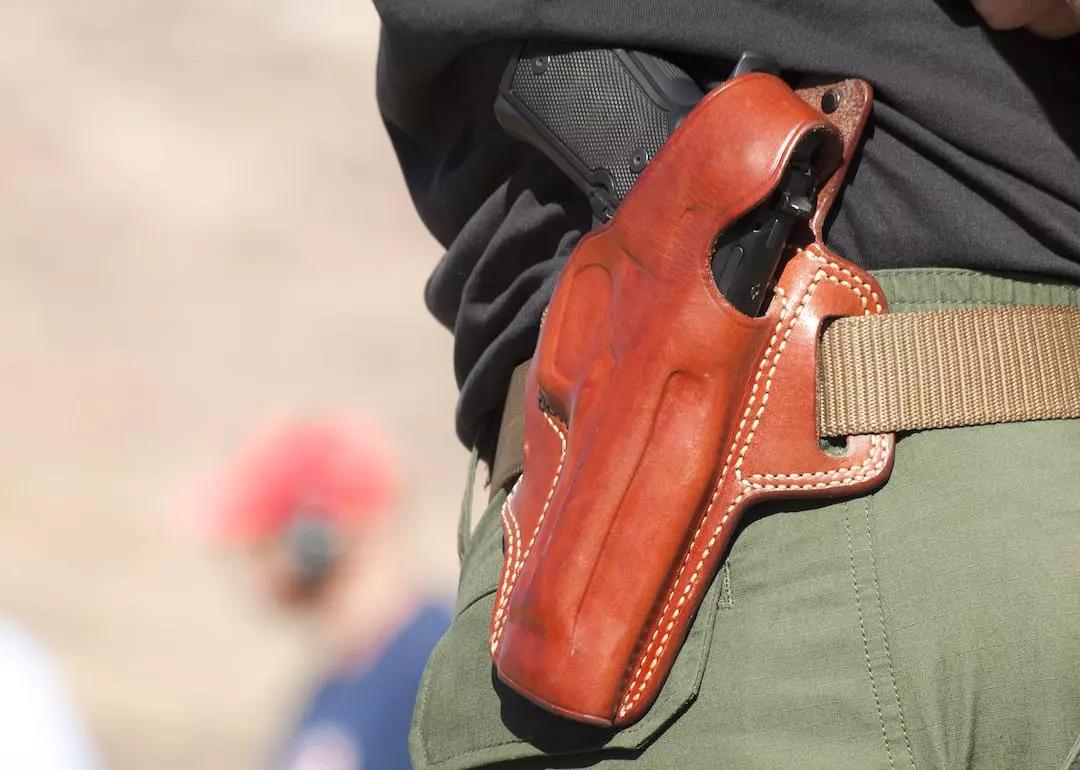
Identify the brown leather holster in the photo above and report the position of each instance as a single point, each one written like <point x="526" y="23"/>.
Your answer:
<point x="656" y="413"/>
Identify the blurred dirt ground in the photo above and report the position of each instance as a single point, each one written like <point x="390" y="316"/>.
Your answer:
<point x="201" y="224"/>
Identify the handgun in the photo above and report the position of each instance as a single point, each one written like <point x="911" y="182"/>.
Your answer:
<point x="602" y="114"/>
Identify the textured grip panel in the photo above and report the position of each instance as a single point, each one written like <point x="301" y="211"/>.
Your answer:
<point x="591" y="101"/>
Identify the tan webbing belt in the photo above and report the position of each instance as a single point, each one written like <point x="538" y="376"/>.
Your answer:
<point x="509" y="454"/>
<point x="914" y="371"/>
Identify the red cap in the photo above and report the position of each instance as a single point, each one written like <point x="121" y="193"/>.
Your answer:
<point x="339" y="468"/>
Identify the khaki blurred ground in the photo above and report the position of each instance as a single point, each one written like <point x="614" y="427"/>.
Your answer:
<point x="201" y="224"/>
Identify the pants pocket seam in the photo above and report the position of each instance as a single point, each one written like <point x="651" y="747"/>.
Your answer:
<point x="479" y="597"/>
<point x="865" y="639"/>
<point x="884" y="635"/>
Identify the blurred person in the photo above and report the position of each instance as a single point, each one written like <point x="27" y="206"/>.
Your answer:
<point x="39" y="726"/>
<point x="311" y="505"/>
<point x="932" y="623"/>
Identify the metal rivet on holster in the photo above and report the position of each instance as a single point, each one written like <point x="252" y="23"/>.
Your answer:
<point x="830" y="101"/>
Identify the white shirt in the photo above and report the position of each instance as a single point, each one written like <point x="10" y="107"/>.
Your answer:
<point x="38" y="726"/>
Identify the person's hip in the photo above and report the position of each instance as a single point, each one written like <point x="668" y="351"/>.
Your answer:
<point x="932" y="623"/>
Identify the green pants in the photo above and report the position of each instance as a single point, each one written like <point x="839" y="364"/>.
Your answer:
<point x="935" y="623"/>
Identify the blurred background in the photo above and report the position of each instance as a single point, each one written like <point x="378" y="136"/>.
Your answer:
<point x="202" y="225"/>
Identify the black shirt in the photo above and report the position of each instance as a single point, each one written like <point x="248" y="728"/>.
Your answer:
<point x="971" y="158"/>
